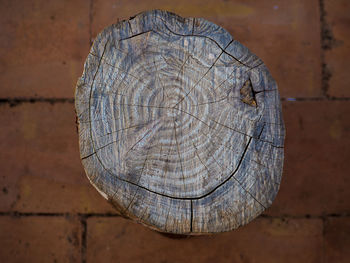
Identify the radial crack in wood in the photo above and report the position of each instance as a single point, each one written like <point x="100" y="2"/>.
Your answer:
<point x="180" y="125"/>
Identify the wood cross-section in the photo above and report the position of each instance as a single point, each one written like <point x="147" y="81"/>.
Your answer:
<point x="180" y="125"/>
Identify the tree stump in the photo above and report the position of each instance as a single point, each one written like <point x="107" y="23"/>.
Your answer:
<point x="180" y="125"/>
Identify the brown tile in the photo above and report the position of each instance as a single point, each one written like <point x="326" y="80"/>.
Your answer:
<point x="43" y="45"/>
<point x="41" y="169"/>
<point x="337" y="239"/>
<point x="39" y="239"/>
<point x="284" y="34"/>
<point x="263" y="240"/>
<point x="338" y="55"/>
<point x="316" y="175"/>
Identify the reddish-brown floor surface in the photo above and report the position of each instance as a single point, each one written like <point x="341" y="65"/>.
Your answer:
<point x="50" y="213"/>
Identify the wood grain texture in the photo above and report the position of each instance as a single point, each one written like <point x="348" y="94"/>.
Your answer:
<point x="180" y="125"/>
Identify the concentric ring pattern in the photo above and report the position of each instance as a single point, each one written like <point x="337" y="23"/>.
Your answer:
<point x="180" y="125"/>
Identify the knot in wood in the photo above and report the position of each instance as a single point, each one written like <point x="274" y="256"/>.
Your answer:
<point x="180" y="125"/>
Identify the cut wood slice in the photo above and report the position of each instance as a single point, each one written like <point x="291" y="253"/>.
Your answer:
<point x="180" y="125"/>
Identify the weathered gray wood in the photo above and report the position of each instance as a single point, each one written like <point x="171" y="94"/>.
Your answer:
<point x="180" y="125"/>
